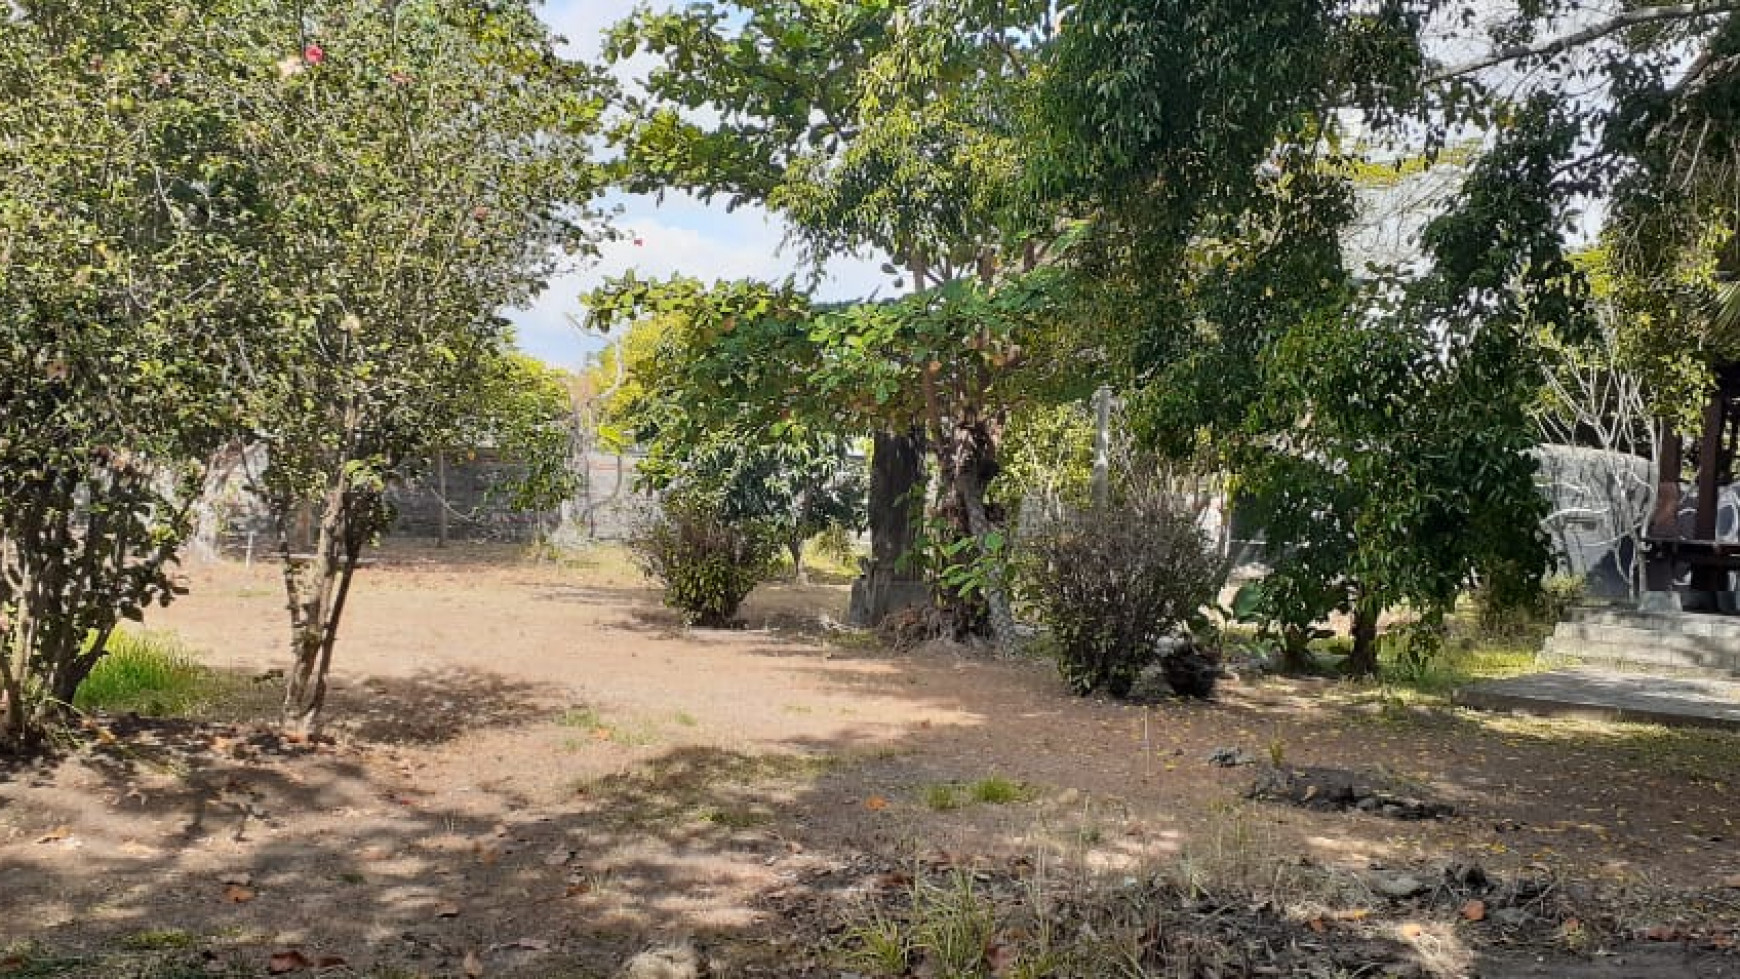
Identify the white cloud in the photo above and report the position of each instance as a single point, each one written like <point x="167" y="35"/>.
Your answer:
<point x="680" y="236"/>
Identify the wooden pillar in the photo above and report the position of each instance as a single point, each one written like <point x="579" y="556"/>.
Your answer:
<point x="1709" y="469"/>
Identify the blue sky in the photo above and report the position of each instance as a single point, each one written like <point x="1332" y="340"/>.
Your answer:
<point x="682" y="235"/>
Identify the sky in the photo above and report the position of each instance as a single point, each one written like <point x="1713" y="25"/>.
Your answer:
<point x="681" y="235"/>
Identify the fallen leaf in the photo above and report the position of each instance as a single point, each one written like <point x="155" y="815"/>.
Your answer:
<point x="447" y="909"/>
<point x="1317" y="925"/>
<point x="54" y="835"/>
<point x="238" y="879"/>
<point x="237" y="894"/>
<point x="1661" y="933"/>
<point x="12" y="963"/>
<point x="1474" y="910"/>
<point x="487" y="855"/>
<point x="289" y="960"/>
<point x="1732" y="880"/>
<point x="876" y="803"/>
<point x="473" y="966"/>
<point x="577" y="889"/>
<point x="330" y="962"/>
<point x="1411" y="929"/>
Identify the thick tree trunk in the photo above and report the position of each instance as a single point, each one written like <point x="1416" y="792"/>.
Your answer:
<point x="896" y="496"/>
<point x="970" y="466"/>
<point x="1363" y="661"/>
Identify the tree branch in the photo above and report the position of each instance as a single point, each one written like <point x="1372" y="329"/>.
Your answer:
<point x="1594" y="32"/>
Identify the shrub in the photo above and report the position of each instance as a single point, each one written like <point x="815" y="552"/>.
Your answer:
<point x="1110" y="582"/>
<point x="707" y="565"/>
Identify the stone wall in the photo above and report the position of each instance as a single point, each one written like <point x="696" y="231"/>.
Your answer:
<point x="471" y="489"/>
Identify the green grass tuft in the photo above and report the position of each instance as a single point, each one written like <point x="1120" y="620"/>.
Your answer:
<point x="998" y="791"/>
<point x="149" y="673"/>
<point x="941" y="797"/>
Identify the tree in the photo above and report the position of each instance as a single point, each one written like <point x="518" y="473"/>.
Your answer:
<point x="714" y="414"/>
<point x="121" y="285"/>
<point x="1375" y="416"/>
<point x="870" y="126"/>
<point x="423" y="164"/>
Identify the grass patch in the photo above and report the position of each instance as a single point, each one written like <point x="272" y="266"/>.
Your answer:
<point x="157" y="940"/>
<point x="994" y="790"/>
<point x="685" y="718"/>
<point x="581" y="717"/>
<point x="941" y="797"/>
<point x="998" y="791"/>
<point x="149" y="673"/>
<point x="589" y="720"/>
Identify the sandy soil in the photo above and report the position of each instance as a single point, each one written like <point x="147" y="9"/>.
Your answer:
<point x="533" y="760"/>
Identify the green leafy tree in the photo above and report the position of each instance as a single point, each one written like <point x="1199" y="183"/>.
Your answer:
<point x="872" y="127"/>
<point x="122" y="221"/>
<point x="712" y="406"/>
<point x="422" y="164"/>
<point x="1376" y="418"/>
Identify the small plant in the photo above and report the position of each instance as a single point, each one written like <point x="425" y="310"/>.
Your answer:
<point x="1112" y="581"/>
<point x="879" y="946"/>
<point x="706" y="564"/>
<point x="941" y="797"/>
<point x="149" y="673"/>
<point x="998" y="791"/>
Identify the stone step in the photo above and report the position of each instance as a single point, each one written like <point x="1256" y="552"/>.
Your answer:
<point x="1644" y="648"/>
<point x="1673" y="623"/>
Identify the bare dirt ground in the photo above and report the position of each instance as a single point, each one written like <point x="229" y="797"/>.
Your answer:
<point x="536" y="772"/>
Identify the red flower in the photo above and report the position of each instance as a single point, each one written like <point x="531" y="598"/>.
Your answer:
<point x="314" y="54"/>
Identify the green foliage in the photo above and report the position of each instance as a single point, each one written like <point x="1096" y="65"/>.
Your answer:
<point x="523" y="409"/>
<point x="1110" y="583"/>
<point x="706" y="564"/>
<point x="123" y="272"/>
<point x="429" y="168"/>
<point x="149" y="673"/>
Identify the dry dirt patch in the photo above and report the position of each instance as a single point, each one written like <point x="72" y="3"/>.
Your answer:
<point x="543" y="752"/>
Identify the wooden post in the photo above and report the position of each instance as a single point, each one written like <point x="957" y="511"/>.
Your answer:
<point x="1709" y="469"/>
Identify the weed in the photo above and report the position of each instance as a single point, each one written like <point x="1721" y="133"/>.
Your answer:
<point x="941" y="797"/>
<point x="149" y="673"/>
<point x="581" y="717"/>
<point x="737" y="819"/>
<point x="879" y="946"/>
<point x="158" y="939"/>
<point x="952" y="925"/>
<point x="998" y="791"/>
<point x="685" y="718"/>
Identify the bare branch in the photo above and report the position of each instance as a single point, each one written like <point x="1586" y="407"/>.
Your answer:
<point x="1594" y="32"/>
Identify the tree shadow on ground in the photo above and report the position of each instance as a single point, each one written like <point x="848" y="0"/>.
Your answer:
<point x="761" y="854"/>
<point x="435" y="706"/>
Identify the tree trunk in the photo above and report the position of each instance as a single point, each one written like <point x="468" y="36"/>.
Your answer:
<point x="971" y="466"/>
<point x="317" y="590"/>
<point x="1363" y="661"/>
<point x="799" y="574"/>
<point x="896" y="494"/>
